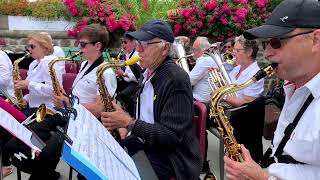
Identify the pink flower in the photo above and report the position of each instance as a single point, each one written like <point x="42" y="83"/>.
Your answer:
<point x="224" y="21"/>
<point x="241" y="14"/>
<point x="211" y="5"/>
<point x="226" y="8"/>
<point x="261" y="3"/>
<point x="186" y="13"/>
<point x="177" y="29"/>
<point x="199" y="24"/>
<point x="145" y="4"/>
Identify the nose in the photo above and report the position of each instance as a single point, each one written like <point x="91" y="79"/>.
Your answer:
<point x="269" y="52"/>
<point x="139" y="48"/>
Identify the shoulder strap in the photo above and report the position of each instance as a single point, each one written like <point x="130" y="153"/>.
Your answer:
<point x="289" y="129"/>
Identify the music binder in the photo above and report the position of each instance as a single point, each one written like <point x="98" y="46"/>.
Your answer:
<point x="19" y="131"/>
<point x="94" y="152"/>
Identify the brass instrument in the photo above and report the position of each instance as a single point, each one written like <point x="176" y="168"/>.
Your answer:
<point x="105" y="96"/>
<point x="117" y="59"/>
<point x="217" y="112"/>
<point x="228" y="58"/>
<point x="218" y="77"/>
<point x="178" y="48"/>
<point x="20" y="103"/>
<point x="43" y="110"/>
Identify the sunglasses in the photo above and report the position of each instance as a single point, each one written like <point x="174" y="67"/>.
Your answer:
<point x="84" y="44"/>
<point x="227" y="46"/>
<point x="275" y="43"/>
<point x="124" y="42"/>
<point x="31" y="46"/>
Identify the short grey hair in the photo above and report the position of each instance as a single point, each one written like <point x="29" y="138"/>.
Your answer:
<point x="248" y="44"/>
<point x="203" y="42"/>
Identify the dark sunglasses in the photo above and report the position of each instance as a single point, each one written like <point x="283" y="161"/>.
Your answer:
<point x="30" y="46"/>
<point x="124" y="42"/>
<point x="275" y="43"/>
<point x="84" y="44"/>
<point x="227" y="46"/>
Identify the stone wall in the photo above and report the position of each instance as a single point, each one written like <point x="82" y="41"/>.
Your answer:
<point x="16" y="40"/>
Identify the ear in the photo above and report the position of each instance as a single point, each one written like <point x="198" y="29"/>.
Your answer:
<point x="249" y="52"/>
<point x="166" y="49"/>
<point x="98" y="45"/>
<point x="316" y="41"/>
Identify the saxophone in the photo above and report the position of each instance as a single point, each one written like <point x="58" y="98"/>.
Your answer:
<point x="57" y="89"/>
<point x="20" y="103"/>
<point x="217" y="112"/>
<point x="105" y="96"/>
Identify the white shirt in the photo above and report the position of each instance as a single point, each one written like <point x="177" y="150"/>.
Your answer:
<point x="146" y="99"/>
<point x="304" y="143"/>
<point x="40" y="83"/>
<point x="255" y="89"/>
<point x="86" y="88"/>
<point x="6" y="80"/>
<point x="199" y="78"/>
<point x="128" y="70"/>
<point x="58" y="51"/>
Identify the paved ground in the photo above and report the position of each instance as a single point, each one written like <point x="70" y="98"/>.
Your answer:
<point x="213" y="156"/>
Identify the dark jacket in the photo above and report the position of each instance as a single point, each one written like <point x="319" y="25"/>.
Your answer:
<point x="173" y="132"/>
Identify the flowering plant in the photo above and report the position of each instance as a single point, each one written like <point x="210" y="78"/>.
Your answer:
<point x="219" y="19"/>
<point x="109" y="14"/>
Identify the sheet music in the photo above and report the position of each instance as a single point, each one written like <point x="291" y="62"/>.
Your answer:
<point x="92" y="141"/>
<point x="16" y="129"/>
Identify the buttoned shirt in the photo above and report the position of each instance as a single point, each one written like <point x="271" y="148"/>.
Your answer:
<point x="304" y="143"/>
<point x="40" y="83"/>
<point x="255" y="89"/>
<point x="146" y="101"/>
<point x="199" y="78"/>
<point x="128" y="70"/>
<point x="6" y="81"/>
<point x="86" y="88"/>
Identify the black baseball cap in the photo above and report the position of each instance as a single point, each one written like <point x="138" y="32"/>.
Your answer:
<point x="287" y="16"/>
<point x="153" y="29"/>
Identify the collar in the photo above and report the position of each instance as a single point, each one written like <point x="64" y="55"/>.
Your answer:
<point x="312" y="85"/>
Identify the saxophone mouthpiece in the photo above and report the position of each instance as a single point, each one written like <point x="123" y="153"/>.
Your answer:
<point x="76" y="54"/>
<point x="274" y="65"/>
<point x="133" y="60"/>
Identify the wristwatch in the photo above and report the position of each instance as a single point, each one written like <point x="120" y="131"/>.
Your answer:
<point x="272" y="178"/>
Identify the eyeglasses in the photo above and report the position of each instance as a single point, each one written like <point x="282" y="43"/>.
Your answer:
<point x="31" y="46"/>
<point x="275" y="43"/>
<point x="124" y="42"/>
<point x="84" y="44"/>
<point x="144" y="44"/>
<point x="235" y="50"/>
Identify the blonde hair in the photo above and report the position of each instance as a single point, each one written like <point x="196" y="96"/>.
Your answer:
<point x="43" y="40"/>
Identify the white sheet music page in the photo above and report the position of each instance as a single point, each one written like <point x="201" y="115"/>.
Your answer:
<point x="94" y="142"/>
<point x="9" y="123"/>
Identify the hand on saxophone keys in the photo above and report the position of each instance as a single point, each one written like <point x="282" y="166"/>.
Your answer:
<point x="116" y="119"/>
<point x="58" y="101"/>
<point x="21" y="84"/>
<point x="246" y="170"/>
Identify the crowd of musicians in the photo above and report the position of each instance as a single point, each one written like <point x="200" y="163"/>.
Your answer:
<point x="154" y="98"/>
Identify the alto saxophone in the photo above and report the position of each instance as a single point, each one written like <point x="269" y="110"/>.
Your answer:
<point x="57" y="89"/>
<point x="20" y="103"/>
<point x="217" y="112"/>
<point x="105" y="96"/>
